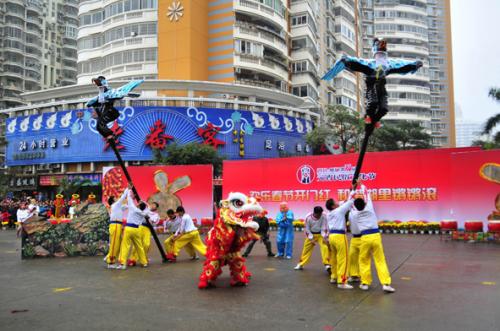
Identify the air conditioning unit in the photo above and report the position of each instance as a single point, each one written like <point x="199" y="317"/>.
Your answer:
<point x="237" y="70"/>
<point x="136" y="162"/>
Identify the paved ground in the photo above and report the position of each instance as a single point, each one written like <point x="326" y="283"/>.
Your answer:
<point x="440" y="286"/>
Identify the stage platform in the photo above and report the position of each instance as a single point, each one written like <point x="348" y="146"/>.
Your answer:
<point x="440" y="286"/>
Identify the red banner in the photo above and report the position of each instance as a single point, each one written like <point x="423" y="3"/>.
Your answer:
<point x="170" y="186"/>
<point x="408" y="185"/>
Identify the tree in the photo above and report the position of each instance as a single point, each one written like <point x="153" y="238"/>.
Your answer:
<point x="493" y="121"/>
<point x="341" y="126"/>
<point x="69" y="187"/>
<point x="192" y="153"/>
<point x="400" y="135"/>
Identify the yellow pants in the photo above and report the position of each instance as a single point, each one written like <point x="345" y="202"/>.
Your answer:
<point x="338" y="257"/>
<point x="115" y="239"/>
<point x="308" y="250"/>
<point x="169" y="247"/>
<point x="132" y="238"/>
<point x="354" y="256"/>
<point x="146" y="242"/>
<point x="371" y="245"/>
<point x="192" y="238"/>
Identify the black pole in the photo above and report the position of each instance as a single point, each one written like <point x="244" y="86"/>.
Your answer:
<point x="129" y="179"/>
<point x="368" y="132"/>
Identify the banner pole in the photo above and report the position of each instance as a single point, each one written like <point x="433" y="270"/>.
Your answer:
<point x="136" y="194"/>
<point x="368" y="132"/>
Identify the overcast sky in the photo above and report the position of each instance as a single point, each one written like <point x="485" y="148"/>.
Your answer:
<point x="476" y="56"/>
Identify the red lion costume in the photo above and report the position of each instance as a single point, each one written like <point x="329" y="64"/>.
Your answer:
<point x="232" y="229"/>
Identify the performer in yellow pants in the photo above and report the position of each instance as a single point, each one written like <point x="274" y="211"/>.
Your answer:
<point x="338" y="241"/>
<point x="190" y="238"/>
<point x="116" y="209"/>
<point x="172" y="225"/>
<point x="132" y="238"/>
<point x="338" y="257"/>
<point x="132" y="235"/>
<point x="371" y="245"/>
<point x="316" y="228"/>
<point x="154" y="219"/>
<point x="115" y="240"/>
<point x="364" y="217"/>
<point x="354" y="247"/>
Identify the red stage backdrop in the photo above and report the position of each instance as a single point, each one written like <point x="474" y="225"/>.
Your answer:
<point x="170" y="186"/>
<point x="409" y="185"/>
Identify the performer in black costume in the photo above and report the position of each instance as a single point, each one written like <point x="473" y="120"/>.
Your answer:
<point x="375" y="71"/>
<point x="106" y="112"/>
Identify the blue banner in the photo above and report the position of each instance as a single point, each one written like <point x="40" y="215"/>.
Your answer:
<point x="71" y="136"/>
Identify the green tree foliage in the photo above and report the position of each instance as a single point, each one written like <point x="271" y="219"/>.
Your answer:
<point x="192" y="153"/>
<point x="69" y="187"/>
<point x="401" y="135"/>
<point x="493" y="141"/>
<point x="346" y="129"/>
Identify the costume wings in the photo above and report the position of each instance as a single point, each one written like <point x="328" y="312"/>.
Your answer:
<point x="119" y="93"/>
<point x="369" y="67"/>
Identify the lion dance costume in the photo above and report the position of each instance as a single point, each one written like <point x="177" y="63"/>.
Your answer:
<point x="232" y="229"/>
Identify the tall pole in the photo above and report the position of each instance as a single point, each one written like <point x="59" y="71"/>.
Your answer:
<point x="368" y="132"/>
<point x="136" y="194"/>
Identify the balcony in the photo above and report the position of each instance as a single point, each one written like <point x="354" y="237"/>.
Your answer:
<point x="251" y="7"/>
<point x="252" y="32"/>
<point x="262" y="65"/>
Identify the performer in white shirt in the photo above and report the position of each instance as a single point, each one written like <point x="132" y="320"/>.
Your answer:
<point x="116" y="209"/>
<point x="172" y="225"/>
<point x="132" y="235"/>
<point x="354" y="247"/>
<point x="371" y="243"/>
<point x="338" y="241"/>
<point x="33" y="207"/>
<point x="187" y="233"/>
<point x="316" y="231"/>
<point x="23" y="213"/>
<point x="154" y="218"/>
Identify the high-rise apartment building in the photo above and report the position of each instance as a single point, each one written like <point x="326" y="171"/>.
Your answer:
<point x="416" y="29"/>
<point x="37" y="46"/>
<point x="441" y="73"/>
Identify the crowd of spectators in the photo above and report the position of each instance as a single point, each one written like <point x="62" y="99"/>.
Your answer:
<point x="44" y="208"/>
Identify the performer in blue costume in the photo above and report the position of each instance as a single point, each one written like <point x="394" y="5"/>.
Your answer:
<point x="284" y="240"/>
<point x="103" y="103"/>
<point x="375" y="71"/>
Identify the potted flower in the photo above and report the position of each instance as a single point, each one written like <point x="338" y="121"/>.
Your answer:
<point x="298" y="225"/>
<point x="412" y="227"/>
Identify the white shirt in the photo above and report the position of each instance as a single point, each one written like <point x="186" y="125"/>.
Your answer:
<point x="186" y="225"/>
<point x="316" y="225"/>
<point x="173" y="225"/>
<point x="353" y="225"/>
<point x="336" y="217"/>
<point x="365" y="219"/>
<point x="117" y="208"/>
<point x="135" y="215"/>
<point x="23" y="215"/>
<point x="34" y="208"/>
<point x="154" y="217"/>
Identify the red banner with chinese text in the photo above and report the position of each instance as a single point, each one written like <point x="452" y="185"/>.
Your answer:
<point x="170" y="186"/>
<point x="407" y="185"/>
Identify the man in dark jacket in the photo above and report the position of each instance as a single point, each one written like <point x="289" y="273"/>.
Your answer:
<point x="263" y="232"/>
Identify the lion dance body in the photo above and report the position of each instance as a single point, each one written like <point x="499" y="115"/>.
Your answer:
<point x="232" y="229"/>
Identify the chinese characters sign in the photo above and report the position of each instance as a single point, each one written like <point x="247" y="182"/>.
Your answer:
<point x="427" y="184"/>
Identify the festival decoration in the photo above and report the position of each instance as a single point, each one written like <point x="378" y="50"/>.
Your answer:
<point x="208" y="134"/>
<point x="75" y="198"/>
<point x="157" y="139"/>
<point x="232" y="229"/>
<point x="58" y="203"/>
<point x="165" y="195"/>
<point x="117" y="132"/>
<point x="91" y="198"/>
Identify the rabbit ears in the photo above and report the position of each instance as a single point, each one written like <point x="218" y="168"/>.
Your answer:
<point x="179" y="184"/>
<point x="162" y="185"/>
